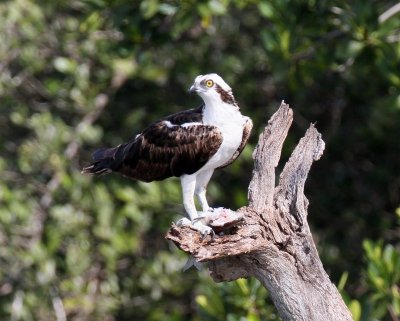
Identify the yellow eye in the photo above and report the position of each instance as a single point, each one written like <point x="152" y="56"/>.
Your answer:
<point x="209" y="83"/>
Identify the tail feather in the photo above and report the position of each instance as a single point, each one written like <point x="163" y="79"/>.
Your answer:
<point x="103" y="162"/>
<point x="97" y="168"/>
<point x="103" y="153"/>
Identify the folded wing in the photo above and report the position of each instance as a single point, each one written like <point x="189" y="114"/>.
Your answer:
<point x="176" y="145"/>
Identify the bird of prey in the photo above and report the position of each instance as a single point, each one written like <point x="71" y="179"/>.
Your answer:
<point x="190" y="144"/>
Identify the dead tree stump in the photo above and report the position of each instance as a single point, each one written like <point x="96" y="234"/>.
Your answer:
<point x="274" y="244"/>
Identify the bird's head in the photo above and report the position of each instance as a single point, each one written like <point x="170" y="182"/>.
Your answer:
<point x="213" y="87"/>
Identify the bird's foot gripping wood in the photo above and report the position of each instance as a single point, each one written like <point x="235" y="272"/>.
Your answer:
<point x="215" y="220"/>
<point x="218" y="220"/>
<point x="198" y="226"/>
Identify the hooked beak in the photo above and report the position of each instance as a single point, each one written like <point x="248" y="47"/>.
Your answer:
<point x="192" y="89"/>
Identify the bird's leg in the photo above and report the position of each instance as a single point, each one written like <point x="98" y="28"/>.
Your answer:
<point x="202" y="180"/>
<point x="200" y="189"/>
<point x="203" y="200"/>
<point x="188" y="183"/>
<point x="188" y="187"/>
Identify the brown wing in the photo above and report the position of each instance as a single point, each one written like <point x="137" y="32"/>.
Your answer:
<point x="187" y="116"/>
<point x="165" y="149"/>
<point x="248" y="126"/>
<point x="175" y="145"/>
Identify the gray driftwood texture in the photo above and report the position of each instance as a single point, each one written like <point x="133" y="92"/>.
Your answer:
<point x="274" y="243"/>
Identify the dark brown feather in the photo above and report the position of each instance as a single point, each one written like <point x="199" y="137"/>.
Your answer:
<point x="226" y="96"/>
<point x="162" y="151"/>
<point x="188" y="116"/>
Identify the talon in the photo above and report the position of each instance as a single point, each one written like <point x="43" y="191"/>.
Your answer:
<point x="198" y="225"/>
<point x="205" y="233"/>
<point x="203" y="229"/>
<point x="208" y="232"/>
<point x="212" y="234"/>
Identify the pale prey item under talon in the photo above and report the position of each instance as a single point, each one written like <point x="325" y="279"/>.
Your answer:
<point x="220" y="218"/>
<point x="223" y="218"/>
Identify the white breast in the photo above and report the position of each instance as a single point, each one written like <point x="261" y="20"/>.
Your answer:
<point x="230" y="122"/>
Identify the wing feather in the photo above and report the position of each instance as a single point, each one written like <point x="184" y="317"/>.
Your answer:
<point x="163" y="151"/>
<point x="175" y="145"/>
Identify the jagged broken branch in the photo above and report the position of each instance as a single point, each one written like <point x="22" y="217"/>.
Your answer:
<point x="274" y="242"/>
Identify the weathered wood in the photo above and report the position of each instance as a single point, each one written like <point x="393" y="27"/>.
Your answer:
<point x="274" y="243"/>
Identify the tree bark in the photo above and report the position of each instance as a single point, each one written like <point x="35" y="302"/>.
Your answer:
<point x="274" y="243"/>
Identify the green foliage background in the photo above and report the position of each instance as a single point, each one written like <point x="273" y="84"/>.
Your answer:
<point x="77" y="75"/>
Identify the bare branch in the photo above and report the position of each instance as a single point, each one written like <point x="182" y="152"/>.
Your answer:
<point x="242" y="240"/>
<point x="274" y="243"/>
<point x="290" y="192"/>
<point x="266" y="157"/>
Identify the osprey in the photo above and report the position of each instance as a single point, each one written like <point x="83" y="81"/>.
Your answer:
<point x="190" y="144"/>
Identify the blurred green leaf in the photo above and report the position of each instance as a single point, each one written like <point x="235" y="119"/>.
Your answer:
<point x="355" y="309"/>
<point x="65" y="65"/>
<point x="149" y="8"/>
<point x="266" y="9"/>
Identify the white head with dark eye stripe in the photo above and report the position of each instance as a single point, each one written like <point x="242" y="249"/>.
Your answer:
<point x="212" y="87"/>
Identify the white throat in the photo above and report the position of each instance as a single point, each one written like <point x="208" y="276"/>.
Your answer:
<point x="217" y="112"/>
